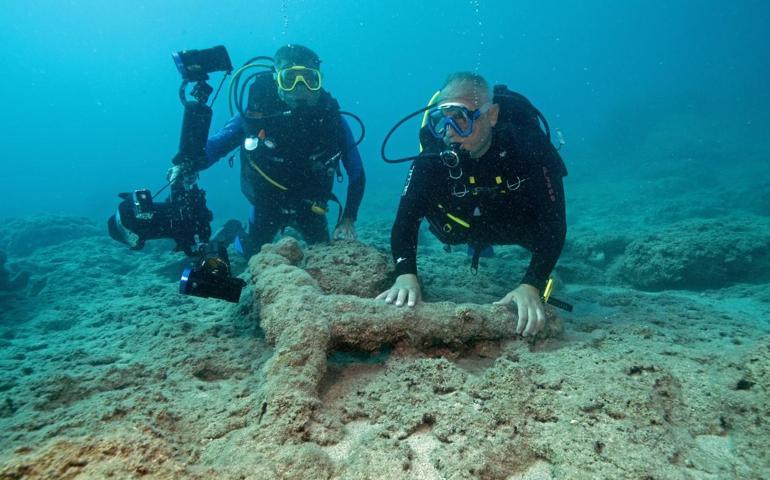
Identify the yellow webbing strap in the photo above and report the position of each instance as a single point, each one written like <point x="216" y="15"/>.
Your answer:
<point x="458" y="220"/>
<point x="425" y="115"/>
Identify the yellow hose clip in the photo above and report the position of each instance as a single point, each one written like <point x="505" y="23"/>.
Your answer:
<point x="316" y="208"/>
<point x="548" y="290"/>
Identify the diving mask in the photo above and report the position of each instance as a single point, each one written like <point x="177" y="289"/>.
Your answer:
<point x="455" y="115"/>
<point x="289" y="77"/>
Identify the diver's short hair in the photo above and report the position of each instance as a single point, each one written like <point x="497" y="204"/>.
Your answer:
<point x="294" y="54"/>
<point x="470" y="82"/>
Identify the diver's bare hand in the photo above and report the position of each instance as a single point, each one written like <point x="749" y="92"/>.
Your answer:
<point x="406" y="288"/>
<point x="183" y="173"/>
<point x="174" y="173"/>
<point x="530" y="310"/>
<point x="346" y="230"/>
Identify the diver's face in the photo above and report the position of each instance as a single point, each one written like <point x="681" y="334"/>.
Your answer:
<point x="300" y="95"/>
<point x="480" y="139"/>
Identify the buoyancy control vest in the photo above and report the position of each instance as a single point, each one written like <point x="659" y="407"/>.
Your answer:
<point x="519" y="114"/>
<point x="293" y="154"/>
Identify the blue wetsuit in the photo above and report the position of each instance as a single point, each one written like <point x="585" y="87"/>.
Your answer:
<point x="269" y="212"/>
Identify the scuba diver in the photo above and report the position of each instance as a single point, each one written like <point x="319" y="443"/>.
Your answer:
<point x="292" y="139"/>
<point x="487" y="174"/>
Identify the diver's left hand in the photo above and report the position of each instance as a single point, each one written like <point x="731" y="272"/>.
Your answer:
<point x="346" y="230"/>
<point x="531" y="313"/>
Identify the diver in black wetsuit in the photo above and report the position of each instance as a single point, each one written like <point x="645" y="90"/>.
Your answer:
<point x="503" y="187"/>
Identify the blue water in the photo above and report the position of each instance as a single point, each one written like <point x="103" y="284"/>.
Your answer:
<point x="665" y="110"/>
<point x="89" y="88"/>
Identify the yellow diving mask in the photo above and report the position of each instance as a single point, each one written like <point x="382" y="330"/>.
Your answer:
<point x="289" y="77"/>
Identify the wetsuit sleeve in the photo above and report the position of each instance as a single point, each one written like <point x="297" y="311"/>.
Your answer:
<point x="354" y="167"/>
<point x="411" y="210"/>
<point x="550" y="229"/>
<point x="224" y="141"/>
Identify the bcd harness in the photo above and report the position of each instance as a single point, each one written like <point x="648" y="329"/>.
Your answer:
<point x="456" y="217"/>
<point x="454" y="222"/>
<point x="297" y="153"/>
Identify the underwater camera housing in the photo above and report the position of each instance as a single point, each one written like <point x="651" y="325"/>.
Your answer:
<point x="185" y="219"/>
<point x="195" y="65"/>
<point x="210" y="276"/>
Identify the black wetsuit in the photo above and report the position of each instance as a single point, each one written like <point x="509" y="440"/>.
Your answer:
<point x="513" y="194"/>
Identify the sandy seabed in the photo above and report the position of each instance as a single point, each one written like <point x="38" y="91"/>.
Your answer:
<point x="107" y="372"/>
<point x="661" y="372"/>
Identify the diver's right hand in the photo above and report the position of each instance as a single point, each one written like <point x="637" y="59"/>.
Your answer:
<point x="181" y="173"/>
<point x="405" y="288"/>
<point x="174" y="173"/>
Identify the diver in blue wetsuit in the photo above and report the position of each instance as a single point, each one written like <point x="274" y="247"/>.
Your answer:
<point x="292" y="140"/>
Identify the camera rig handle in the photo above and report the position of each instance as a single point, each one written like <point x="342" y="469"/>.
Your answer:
<point x="196" y="122"/>
<point x="201" y="91"/>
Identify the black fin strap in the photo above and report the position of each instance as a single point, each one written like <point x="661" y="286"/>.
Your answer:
<point x="475" y="259"/>
<point x="340" y="210"/>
